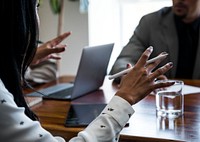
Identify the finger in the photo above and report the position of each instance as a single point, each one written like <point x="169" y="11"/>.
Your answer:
<point x="57" y="49"/>
<point x="144" y="57"/>
<point x="128" y="65"/>
<point x="55" y="57"/>
<point x="59" y="39"/>
<point x="61" y="46"/>
<point x="160" y="71"/>
<point x="162" y="77"/>
<point x="153" y="65"/>
<point x="162" y="85"/>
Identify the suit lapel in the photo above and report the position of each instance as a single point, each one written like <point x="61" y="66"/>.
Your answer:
<point x="170" y="35"/>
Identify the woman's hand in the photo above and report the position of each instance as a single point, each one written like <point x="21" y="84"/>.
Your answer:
<point x="47" y="50"/>
<point x="139" y="82"/>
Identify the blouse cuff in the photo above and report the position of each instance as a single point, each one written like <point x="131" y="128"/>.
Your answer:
<point x="119" y="109"/>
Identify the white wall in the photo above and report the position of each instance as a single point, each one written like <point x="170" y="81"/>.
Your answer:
<point x="73" y="21"/>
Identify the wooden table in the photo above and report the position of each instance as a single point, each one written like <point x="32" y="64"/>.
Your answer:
<point x="144" y="125"/>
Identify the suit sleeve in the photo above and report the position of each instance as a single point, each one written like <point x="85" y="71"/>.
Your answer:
<point x="134" y="48"/>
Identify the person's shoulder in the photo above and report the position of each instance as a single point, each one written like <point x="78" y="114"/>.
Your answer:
<point x="165" y="11"/>
<point x="159" y="13"/>
<point x="156" y="16"/>
<point x="4" y="93"/>
<point x="2" y="87"/>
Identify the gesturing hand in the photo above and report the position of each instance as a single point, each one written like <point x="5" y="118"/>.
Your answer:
<point x="47" y="50"/>
<point x="139" y="82"/>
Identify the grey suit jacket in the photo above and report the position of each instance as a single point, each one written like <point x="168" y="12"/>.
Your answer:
<point x="158" y="30"/>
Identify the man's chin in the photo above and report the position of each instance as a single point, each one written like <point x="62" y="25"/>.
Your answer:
<point x="181" y="16"/>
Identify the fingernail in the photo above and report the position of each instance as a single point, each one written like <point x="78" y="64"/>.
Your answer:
<point x="170" y="63"/>
<point x="150" y="48"/>
<point x="164" y="53"/>
<point x="128" y="65"/>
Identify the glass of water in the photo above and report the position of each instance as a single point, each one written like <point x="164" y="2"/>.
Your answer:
<point x="170" y="100"/>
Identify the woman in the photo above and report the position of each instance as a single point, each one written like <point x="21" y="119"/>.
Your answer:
<point x="17" y="122"/>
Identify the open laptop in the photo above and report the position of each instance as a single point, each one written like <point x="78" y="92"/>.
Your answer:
<point x="90" y="75"/>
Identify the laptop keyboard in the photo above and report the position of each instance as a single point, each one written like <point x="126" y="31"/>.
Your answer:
<point x="58" y="91"/>
<point x="66" y="93"/>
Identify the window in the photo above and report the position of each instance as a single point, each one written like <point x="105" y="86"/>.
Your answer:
<point x="115" y="20"/>
<point x="132" y="10"/>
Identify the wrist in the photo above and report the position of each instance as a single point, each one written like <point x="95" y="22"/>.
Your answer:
<point x="126" y="96"/>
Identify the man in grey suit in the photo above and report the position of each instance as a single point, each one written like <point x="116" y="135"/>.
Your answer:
<point x="174" y="30"/>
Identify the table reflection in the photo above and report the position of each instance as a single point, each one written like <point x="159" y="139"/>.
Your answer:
<point x="164" y="123"/>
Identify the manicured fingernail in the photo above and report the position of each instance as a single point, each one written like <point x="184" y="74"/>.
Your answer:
<point x="128" y="65"/>
<point x="164" y="53"/>
<point x="150" y="48"/>
<point x="170" y="63"/>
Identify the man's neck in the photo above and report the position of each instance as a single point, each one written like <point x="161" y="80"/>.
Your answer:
<point x="190" y="19"/>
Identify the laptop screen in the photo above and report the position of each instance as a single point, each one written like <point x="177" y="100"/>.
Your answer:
<point x="92" y="69"/>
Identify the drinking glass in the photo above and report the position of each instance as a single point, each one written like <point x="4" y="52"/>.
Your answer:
<point x="170" y="100"/>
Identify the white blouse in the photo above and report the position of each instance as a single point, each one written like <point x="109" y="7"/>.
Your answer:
<point x="15" y="126"/>
<point x="43" y="72"/>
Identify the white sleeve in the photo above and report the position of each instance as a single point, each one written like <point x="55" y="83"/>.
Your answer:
<point x="43" y="72"/>
<point x="15" y="126"/>
<point x="107" y="127"/>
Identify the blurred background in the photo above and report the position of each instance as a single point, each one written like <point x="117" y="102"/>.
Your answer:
<point x="93" y="22"/>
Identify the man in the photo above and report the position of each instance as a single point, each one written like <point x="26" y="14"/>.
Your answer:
<point x="174" y="30"/>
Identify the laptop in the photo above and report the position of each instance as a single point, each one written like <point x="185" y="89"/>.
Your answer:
<point x="90" y="75"/>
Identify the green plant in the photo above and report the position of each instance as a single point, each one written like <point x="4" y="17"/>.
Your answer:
<point x="55" y="6"/>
